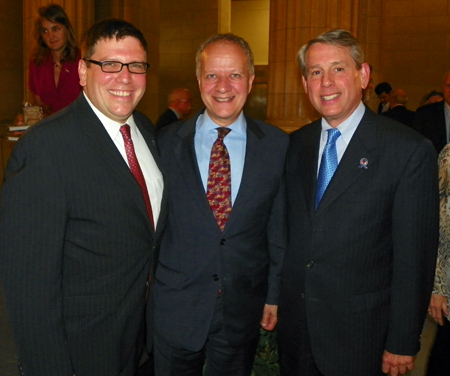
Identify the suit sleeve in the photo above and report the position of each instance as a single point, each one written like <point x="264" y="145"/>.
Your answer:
<point x="277" y="238"/>
<point x="415" y="240"/>
<point x="32" y="225"/>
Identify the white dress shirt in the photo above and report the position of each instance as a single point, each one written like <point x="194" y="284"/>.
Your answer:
<point x="152" y="174"/>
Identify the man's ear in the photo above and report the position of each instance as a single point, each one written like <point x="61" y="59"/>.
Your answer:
<point x="82" y="68"/>
<point x="305" y="84"/>
<point x="364" y="73"/>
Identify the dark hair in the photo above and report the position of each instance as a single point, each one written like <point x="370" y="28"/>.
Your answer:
<point x="434" y="94"/>
<point x="110" y="29"/>
<point x="383" y="87"/>
<point x="54" y="13"/>
<point x="226" y="38"/>
<point x="335" y="37"/>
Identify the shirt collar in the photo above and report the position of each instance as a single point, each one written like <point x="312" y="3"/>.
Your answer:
<point x="111" y="126"/>
<point x="447" y="108"/>
<point x="206" y="124"/>
<point x="178" y="115"/>
<point x="349" y="125"/>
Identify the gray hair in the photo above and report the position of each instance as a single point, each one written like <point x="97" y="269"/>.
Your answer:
<point x="338" y="38"/>
<point x="226" y="38"/>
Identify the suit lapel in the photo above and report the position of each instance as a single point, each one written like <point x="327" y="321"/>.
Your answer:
<point x="252" y="169"/>
<point x="187" y="161"/>
<point x="100" y="142"/>
<point x="362" y="146"/>
<point x="150" y="140"/>
<point x="307" y="163"/>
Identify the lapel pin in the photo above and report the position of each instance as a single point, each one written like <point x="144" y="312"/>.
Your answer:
<point x="363" y="163"/>
<point x="153" y="142"/>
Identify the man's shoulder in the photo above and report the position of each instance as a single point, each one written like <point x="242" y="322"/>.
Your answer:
<point x="306" y="131"/>
<point x="176" y="131"/>
<point x="430" y="109"/>
<point x="268" y="129"/>
<point x="144" y="121"/>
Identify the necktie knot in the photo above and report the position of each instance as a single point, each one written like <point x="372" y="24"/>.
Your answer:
<point x="333" y="135"/>
<point x="223" y="131"/>
<point x="125" y="130"/>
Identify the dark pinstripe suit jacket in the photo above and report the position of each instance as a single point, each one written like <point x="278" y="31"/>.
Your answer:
<point x="359" y="270"/>
<point x="196" y="257"/>
<point x="76" y="247"/>
<point x="430" y="122"/>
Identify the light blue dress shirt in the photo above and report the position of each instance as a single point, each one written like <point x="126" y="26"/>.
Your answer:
<point x="347" y="129"/>
<point x="235" y="141"/>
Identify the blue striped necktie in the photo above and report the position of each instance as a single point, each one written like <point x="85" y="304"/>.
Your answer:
<point x="328" y="164"/>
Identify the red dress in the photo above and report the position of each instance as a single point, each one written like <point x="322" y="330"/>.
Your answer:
<point x="41" y="82"/>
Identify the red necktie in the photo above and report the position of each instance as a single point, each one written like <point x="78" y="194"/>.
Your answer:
<point x="136" y="169"/>
<point x="219" y="180"/>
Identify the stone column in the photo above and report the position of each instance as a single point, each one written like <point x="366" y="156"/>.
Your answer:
<point x="11" y="57"/>
<point x="292" y="24"/>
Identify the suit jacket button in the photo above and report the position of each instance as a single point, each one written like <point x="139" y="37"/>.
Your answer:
<point x="222" y="241"/>
<point x="310" y="264"/>
<point x="215" y="277"/>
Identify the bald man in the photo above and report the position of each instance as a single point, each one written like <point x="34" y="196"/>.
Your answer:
<point x="179" y="106"/>
<point x="397" y="108"/>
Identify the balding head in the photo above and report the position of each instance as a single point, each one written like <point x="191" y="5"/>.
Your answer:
<point x="398" y="97"/>
<point x="181" y="101"/>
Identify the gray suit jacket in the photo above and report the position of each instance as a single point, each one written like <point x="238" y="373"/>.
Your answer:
<point x="358" y="271"/>
<point x="196" y="257"/>
<point x="76" y="248"/>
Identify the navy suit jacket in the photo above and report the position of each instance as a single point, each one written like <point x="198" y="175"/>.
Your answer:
<point x="196" y="257"/>
<point x="358" y="271"/>
<point x="430" y="122"/>
<point x="76" y="247"/>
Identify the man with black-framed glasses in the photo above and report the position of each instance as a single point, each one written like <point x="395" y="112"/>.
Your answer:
<point x="82" y="212"/>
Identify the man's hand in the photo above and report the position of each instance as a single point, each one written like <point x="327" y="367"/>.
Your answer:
<point x="394" y="365"/>
<point x="270" y="317"/>
<point x="438" y="308"/>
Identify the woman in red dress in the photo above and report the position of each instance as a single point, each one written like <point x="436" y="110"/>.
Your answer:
<point x="53" y="68"/>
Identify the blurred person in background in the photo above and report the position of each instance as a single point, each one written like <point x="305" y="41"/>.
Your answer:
<point x="179" y="106"/>
<point x="397" y="108"/>
<point x="433" y="120"/>
<point x="382" y="90"/>
<point x="53" y="67"/>
<point x="431" y="97"/>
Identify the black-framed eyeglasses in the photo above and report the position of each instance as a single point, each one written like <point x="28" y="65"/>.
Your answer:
<point x="116" y="66"/>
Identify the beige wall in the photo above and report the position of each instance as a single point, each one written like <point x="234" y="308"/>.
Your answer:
<point x="11" y="59"/>
<point x="407" y="42"/>
<point x="185" y="24"/>
<point x="414" y="45"/>
<point x="250" y="20"/>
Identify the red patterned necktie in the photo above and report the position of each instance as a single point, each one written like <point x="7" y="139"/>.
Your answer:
<point x="136" y="169"/>
<point x="219" y="180"/>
